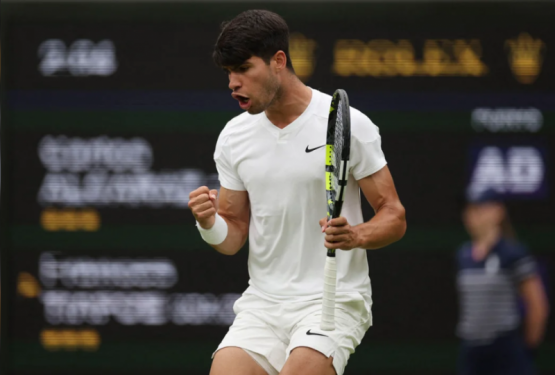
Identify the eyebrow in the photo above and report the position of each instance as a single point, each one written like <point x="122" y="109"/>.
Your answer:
<point x="227" y="69"/>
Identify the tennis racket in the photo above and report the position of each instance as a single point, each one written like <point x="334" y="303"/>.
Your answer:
<point x="338" y="148"/>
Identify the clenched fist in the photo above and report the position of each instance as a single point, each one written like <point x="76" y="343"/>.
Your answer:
<point x="202" y="203"/>
<point x="339" y="234"/>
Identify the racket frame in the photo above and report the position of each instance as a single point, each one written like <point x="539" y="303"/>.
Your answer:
<point x="339" y="106"/>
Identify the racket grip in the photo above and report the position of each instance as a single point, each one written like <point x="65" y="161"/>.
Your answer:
<point x="327" y="322"/>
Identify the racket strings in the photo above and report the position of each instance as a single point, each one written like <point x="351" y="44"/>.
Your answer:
<point x="338" y="145"/>
<point x="336" y="130"/>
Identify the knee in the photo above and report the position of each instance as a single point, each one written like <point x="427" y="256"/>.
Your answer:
<point x="235" y="361"/>
<point x="307" y="361"/>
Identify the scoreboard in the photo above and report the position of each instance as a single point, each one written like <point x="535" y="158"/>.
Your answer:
<point x="110" y="116"/>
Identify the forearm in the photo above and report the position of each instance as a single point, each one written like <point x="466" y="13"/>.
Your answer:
<point x="237" y="234"/>
<point x="386" y="227"/>
<point x="534" y="326"/>
<point x="226" y="227"/>
<point x="537" y="310"/>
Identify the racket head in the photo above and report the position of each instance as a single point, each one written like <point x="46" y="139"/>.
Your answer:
<point x="338" y="149"/>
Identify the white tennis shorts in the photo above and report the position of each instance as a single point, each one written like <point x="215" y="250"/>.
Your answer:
<point x="269" y="331"/>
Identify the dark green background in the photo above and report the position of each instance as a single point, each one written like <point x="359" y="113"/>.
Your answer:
<point x="166" y="87"/>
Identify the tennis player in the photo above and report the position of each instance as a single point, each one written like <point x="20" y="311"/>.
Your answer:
<point x="494" y="272"/>
<point x="270" y="161"/>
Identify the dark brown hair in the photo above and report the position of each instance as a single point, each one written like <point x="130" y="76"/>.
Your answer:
<point x="258" y="33"/>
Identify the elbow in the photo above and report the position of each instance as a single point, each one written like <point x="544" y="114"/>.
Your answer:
<point x="543" y="308"/>
<point x="539" y="316"/>
<point x="402" y="222"/>
<point x="228" y="253"/>
<point x="544" y="311"/>
<point x="226" y="250"/>
<point x="238" y="232"/>
<point x="538" y="308"/>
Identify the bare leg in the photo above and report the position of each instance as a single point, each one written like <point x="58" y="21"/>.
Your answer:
<point x="235" y="361"/>
<point x="307" y="361"/>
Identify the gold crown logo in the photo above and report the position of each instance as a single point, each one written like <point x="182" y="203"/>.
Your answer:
<point x="525" y="57"/>
<point x="302" y="50"/>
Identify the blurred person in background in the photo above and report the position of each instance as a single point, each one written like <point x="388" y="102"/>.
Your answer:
<point x="496" y="277"/>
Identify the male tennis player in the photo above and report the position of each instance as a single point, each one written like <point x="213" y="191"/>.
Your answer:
<point x="270" y="161"/>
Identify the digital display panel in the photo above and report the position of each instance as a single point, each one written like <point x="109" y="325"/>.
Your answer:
<point x="513" y="171"/>
<point x="110" y="119"/>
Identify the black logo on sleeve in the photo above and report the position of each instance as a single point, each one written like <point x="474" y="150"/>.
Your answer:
<point x="312" y="149"/>
<point x="315" y="334"/>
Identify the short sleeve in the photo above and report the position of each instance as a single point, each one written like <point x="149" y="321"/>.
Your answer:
<point x="367" y="156"/>
<point x="523" y="266"/>
<point x="460" y="255"/>
<point x="227" y="173"/>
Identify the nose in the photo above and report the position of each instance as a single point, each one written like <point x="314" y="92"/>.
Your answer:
<point x="234" y="82"/>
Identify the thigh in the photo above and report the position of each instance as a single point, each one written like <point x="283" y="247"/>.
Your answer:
<point x="307" y="361"/>
<point x="235" y="361"/>
<point x="254" y="331"/>
<point x="352" y="320"/>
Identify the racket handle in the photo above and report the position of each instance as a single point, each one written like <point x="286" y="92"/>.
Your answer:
<point x="328" y="301"/>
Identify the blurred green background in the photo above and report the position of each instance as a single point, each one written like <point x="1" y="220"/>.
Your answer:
<point x="110" y="115"/>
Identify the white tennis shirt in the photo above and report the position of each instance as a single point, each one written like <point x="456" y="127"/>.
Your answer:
<point x="284" y="178"/>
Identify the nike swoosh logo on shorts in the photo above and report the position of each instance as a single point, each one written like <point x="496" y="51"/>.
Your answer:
<point x="312" y="149"/>
<point x="315" y="334"/>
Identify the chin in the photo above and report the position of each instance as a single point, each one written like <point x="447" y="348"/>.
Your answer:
<point x="254" y="111"/>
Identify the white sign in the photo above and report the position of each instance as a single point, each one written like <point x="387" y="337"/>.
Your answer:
<point x="81" y="59"/>
<point x="87" y="273"/>
<point x="507" y="119"/>
<point x="518" y="170"/>
<point x="63" y="154"/>
<point x="105" y="171"/>
<point x="75" y="308"/>
<point x="100" y="290"/>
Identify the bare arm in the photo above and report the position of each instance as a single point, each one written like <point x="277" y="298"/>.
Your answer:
<point x="387" y="226"/>
<point x="389" y="223"/>
<point x="537" y="310"/>
<point x="233" y="206"/>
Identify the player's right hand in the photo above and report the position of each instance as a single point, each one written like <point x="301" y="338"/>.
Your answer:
<point x="202" y="203"/>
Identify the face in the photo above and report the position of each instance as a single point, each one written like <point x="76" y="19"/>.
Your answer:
<point x="481" y="218"/>
<point x="255" y="84"/>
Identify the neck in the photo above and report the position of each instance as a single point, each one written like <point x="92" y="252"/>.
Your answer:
<point x="483" y="243"/>
<point x="291" y="101"/>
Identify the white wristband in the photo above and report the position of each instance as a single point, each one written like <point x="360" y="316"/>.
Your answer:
<point x="215" y="235"/>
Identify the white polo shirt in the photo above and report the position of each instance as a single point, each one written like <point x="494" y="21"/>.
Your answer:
<point x="284" y="178"/>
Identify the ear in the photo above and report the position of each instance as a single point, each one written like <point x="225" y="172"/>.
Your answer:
<point x="280" y="60"/>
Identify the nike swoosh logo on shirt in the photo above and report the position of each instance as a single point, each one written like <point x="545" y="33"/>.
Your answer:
<point x="312" y="149"/>
<point x="315" y="334"/>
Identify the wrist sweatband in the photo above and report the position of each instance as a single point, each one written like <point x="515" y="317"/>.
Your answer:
<point x="215" y="235"/>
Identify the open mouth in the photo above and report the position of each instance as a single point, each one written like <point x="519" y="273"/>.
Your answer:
<point x="244" y="102"/>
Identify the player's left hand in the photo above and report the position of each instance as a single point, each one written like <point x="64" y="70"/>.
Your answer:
<point x="339" y="234"/>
